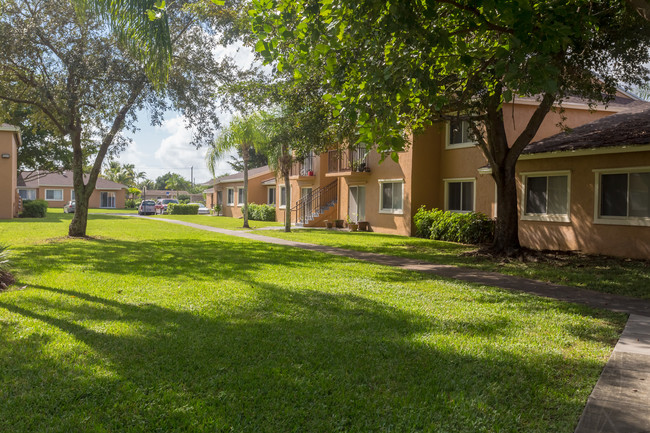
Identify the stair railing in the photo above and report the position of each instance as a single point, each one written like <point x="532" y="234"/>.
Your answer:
<point x="314" y="203"/>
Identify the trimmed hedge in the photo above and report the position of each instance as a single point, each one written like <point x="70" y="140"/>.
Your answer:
<point x="261" y="212"/>
<point x="182" y="209"/>
<point x="465" y="228"/>
<point x="34" y="209"/>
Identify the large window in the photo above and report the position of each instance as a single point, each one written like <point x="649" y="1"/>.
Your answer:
<point x="546" y="196"/>
<point x="54" y="194"/>
<point x="271" y="196"/>
<point x="240" y="196"/>
<point x="459" y="195"/>
<point x="107" y="199"/>
<point x="72" y="195"/>
<point x="624" y="196"/>
<point x="283" y="196"/>
<point x="391" y="196"/>
<point x="230" y="195"/>
<point x="459" y="134"/>
<point x="27" y="194"/>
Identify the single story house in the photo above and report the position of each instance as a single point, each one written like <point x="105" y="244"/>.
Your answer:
<point x="228" y="191"/>
<point x="57" y="189"/>
<point x="155" y="194"/>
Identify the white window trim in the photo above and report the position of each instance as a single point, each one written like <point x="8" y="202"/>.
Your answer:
<point x="614" y="220"/>
<point x="381" y="197"/>
<point x="53" y="199"/>
<point x="460" y="179"/>
<point x="275" y="195"/>
<point x="232" y="203"/>
<point x="238" y="195"/>
<point x="558" y="218"/>
<point x="72" y="195"/>
<point x="280" y="194"/>
<point x="449" y="145"/>
<point x="29" y="190"/>
<point x="114" y="200"/>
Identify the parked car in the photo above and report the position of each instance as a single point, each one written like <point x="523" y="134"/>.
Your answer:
<point x="147" y="207"/>
<point x="161" y="205"/>
<point x="69" y="207"/>
<point x="202" y="209"/>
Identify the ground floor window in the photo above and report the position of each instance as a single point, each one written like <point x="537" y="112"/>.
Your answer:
<point x="357" y="203"/>
<point x="54" y="194"/>
<point x="391" y="196"/>
<point x="459" y="195"/>
<point x="624" y="195"/>
<point x="107" y="199"/>
<point x="219" y="198"/>
<point x="271" y="196"/>
<point x="72" y="195"/>
<point x="240" y="196"/>
<point x="27" y="194"/>
<point x="546" y="196"/>
<point x="283" y="197"/>
<point x="230" y="193"/>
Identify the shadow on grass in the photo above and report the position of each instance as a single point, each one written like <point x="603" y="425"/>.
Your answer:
<point x="295" y="361"/>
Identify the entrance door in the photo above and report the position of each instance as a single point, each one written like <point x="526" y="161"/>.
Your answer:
<point x="357" y="203"/>
<point x="305" y="193"/>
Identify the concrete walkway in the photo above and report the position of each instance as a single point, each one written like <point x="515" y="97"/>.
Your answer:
<point x="620" y="401"/>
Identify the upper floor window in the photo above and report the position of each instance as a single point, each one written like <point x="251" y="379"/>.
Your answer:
<point x="546" y="196"/>
<point x="459" y="195"/>
<point x="624" y="196"/>
<point x="459" y="134"/>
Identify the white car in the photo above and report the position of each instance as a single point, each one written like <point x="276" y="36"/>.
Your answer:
<point x="202" y="209"/>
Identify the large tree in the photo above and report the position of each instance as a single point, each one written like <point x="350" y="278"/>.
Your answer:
<point x="456" y="59"/>
<point x="66" y="64"/>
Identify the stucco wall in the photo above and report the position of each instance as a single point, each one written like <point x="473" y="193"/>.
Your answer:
<point x="8" y="171"/>
<point x="256" y="194"/>
<point x="582" y="233"/>
<point x="94" y="202"/>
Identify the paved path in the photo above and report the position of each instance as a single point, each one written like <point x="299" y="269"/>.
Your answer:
<point x="620" y="401"/>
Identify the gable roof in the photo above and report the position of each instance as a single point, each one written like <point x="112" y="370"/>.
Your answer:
<point x="34" y="179"/>
<point x="238" y="177"/>
<point x="630" y="127"/>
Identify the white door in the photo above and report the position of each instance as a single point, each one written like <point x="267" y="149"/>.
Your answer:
<point x="305" y="193"/>
<point x="357" y="203"/>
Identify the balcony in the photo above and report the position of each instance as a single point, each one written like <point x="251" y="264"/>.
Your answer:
<point x="348" y="162"/>
<point x="303" y="170"/>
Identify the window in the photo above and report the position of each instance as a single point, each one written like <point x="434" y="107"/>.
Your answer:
<point x="54" y="194"/>
<point x="391" y="196"/>
<point x="357" y="203"/>
<point x="72" y="195"/>
<point x="240" y="196"/>
<point x="546" y="196"/>
<point x="459" y="195"/>
<point x="230" y="192"/>
<point x="283" y="197"/>
<point x="107" y="199"/>
<point x="624" y="196"/>
<point x="27" y="194"/>
<point x="219" y="198"/>
<point x="459" y="134"/>
<point x="271" y="195"/>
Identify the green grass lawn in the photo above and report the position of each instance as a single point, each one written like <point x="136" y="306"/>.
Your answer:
<point x="159" y="327"/>
<point x="221" y="221"/>
<point x="604" y="274"/>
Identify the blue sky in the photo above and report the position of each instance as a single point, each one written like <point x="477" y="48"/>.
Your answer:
<point x="158" y="150"/>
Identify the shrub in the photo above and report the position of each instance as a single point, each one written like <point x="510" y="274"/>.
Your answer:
<point x="183" y="198"/>
<point x="261" y="212"/>
<point x="130" y="203"/>
<point x="6" y="278"/>
<point x="217" y="209"/>
<point x="466" y="228"/>
<point x="183" y="209"/>
<point x="34" y="209"/>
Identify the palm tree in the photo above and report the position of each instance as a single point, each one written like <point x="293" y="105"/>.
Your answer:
<point x="245" y="133"/>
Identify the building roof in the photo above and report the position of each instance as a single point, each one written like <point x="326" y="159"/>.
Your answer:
<point x="34" y="179"/>
<point x="630" y="127"/>
<point x="209" y="191"/>
<point x="238" y="177"/>
<point x="269" y="182"/>
<point x="166" y="192"/>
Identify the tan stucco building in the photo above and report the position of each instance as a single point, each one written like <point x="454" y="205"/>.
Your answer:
<point x="228" y="191"/>
<point x="9" y="142"/>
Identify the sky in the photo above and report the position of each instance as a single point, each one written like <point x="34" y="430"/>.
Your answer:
<point x="166" y="148"/>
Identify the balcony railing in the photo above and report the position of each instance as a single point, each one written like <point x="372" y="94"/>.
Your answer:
<point x="355" y="160"/>
<point x="305" y="167"/>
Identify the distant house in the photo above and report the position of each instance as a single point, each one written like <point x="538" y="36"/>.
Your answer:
<point x="57" y="189"/>
<point x="9" y="142"/>
<point x="155" y="194"/>
<point x="228" y="191"/>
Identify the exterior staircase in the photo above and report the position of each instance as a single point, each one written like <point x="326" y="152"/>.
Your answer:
<point x="314" y="209"/>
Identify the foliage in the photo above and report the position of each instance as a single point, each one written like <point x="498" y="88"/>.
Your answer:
<point x="172" y="179"/>
<point x="130" y="203"/>
<point x="34" y="209"/>
<point x="217" y="209"/>
<point x="183" y="209"/>
<point x="123" y="173"/>
<point x="465" y="228"/>
<point x="425" y="61"/>
<point x="183" y="198"/>
<point x="6" y="278"/>
<point x="256" y="159"/>
<point x="261" y="212"/>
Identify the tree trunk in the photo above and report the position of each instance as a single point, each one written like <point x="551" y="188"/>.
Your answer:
<point x="506" y="234"/>
<point x="79" y="221"/>
<point x="287" y="194"/>
<point x="245" y="157"/>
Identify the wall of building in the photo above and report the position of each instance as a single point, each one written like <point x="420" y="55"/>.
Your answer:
<point x="256" y="194"/>
<point x="93" y="203"/>
<point x="581" y="232"/>
<point x="8" y="172"/>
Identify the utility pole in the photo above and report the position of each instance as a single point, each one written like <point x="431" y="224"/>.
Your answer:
<point x="192" y="175"/>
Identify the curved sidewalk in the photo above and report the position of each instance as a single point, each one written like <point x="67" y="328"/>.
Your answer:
<point x="620" y="401"/>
